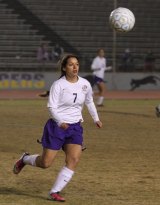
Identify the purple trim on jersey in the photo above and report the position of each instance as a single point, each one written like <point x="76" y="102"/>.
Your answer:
<point x="97" y="80"/>
<point x="55" y="137"/>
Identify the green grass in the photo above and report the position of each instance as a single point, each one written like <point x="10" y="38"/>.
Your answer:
<point x="120" y="166"/>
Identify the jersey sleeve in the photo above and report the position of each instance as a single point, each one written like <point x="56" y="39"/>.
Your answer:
<point x="90" y="105"/>
<point x="53" y="101"/>
<point x="105" y="62"/>
<point x="94" y="65"/>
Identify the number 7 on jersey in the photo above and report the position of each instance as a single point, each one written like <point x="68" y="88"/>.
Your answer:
<point x="75" y="94"/>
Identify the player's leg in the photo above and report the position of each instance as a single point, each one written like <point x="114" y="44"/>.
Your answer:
<point x="73" y="153"/>
<point x="46" y="159"/>
<point x="51" y="144"/>
<point x="43" y="161"/>
<point x="73" y="150"/>
<point x="102" y="89"/>
<point x="44" y="94"/>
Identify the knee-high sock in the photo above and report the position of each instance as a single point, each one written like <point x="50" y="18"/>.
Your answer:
<point x="62" y="180"/>
<point x="100" y="100"/>
<point x="30" y="159"/>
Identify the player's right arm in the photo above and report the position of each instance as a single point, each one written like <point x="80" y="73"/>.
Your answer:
<point x="95" y="65"/>
<point x="53" y="102"/>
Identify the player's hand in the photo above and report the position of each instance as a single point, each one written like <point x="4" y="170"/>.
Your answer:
<point x="64" y="126"/>
<point x="99" y="124"/>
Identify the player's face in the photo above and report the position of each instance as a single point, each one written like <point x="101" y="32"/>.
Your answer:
<point x="72" y="67"/>
<point x="101" y="53"/>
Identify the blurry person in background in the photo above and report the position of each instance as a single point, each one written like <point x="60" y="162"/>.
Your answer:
<point x="149" y="62"/>
<point x="127" y="61"/>
<point x="99" y="66"/>
<point x="57" y="52"/>
<point x="43" y="53"/>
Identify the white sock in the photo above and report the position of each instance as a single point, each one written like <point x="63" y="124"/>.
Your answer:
<point x="30" y="159"/>
<point x="100" y="100"/>
<point x="62" y="180"/>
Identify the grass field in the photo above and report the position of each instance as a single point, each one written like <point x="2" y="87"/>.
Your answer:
<point x="120" y="166"/>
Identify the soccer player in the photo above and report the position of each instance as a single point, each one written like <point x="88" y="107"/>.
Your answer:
<point x="99" y="67"/>
<point x="63" y="129"/>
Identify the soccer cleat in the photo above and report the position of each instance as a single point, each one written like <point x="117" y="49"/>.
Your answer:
<point x="100" y="105"/>
<point x="45" y="94"/>
<point x="56" y="197"/>
<point x="19" y="164"/>
<point x="83" y="147"/>
<point x="157" y="111"/>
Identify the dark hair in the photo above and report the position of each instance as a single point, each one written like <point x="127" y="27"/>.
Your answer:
<point x="63" y="62"/>
<point x="100" y="49"/>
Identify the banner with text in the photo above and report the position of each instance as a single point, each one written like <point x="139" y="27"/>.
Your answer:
<point x="18" y="80"/>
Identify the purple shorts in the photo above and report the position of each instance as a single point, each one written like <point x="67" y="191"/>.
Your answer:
<point x="97" y="80"/>
<point x="55" y="137"/>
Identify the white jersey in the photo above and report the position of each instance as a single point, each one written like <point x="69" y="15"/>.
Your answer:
<point x="66" y="100"/>
<point x="99" y="66"/>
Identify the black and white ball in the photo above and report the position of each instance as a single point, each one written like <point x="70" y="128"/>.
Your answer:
<point x="122" y="19"/>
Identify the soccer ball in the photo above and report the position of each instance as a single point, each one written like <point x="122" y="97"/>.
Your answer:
<point x="122" y="19"/>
